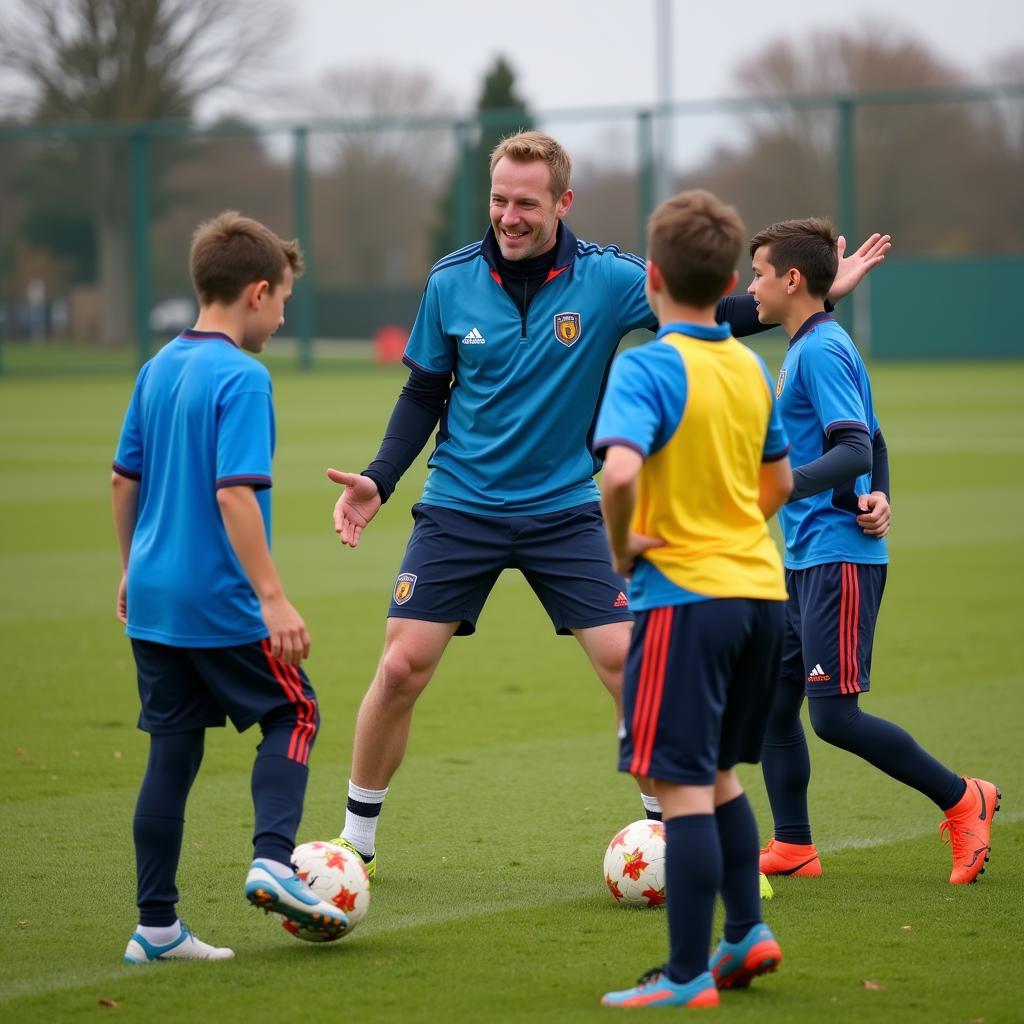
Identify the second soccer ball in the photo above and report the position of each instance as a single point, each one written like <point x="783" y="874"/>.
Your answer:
<point x="634" y="865"/>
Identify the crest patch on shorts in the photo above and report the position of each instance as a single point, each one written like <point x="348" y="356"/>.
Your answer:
<point x="404" y="586"/>
<point x="567" y="328"/>
<point x="780" y="383"/>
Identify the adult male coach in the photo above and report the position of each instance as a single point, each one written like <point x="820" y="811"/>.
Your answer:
<point x="510" y="350"/>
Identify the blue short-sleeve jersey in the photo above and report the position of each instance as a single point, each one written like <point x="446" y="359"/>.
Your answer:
<point x="201" y="417"/>
<point x="514" y="439"/>
<point x="823" y="386"/>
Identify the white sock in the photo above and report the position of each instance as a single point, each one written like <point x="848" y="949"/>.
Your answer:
<point x="651" y="803"/>
<point x="361" y="827"/>
<point x="277" y="869"/>
<point x="159" y="936"/>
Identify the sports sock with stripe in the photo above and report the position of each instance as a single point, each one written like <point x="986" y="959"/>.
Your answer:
<point x="362" y="812"/>
<point x="652" y="809"/>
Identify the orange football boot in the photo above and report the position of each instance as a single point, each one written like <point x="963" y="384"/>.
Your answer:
<point x="967" y="827"/>
<point x="779" y="858"/>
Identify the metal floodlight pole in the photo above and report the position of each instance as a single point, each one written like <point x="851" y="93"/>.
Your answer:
<point x="140" y="240"/>
<point x="304" y="288"/>
<point x="663" y="66"/>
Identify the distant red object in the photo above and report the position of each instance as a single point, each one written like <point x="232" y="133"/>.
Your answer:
<point x="389" y="343"/>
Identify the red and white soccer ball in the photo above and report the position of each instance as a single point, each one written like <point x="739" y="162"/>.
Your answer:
<point x="337" y="876"/>
<point x="634" y="865"/>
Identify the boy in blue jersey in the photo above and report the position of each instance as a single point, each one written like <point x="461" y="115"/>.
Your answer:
<point x="695" y="465"/>
<point x="212" y="632"/>
<point x="836" y="561"/>
<point x="510" y="350"/>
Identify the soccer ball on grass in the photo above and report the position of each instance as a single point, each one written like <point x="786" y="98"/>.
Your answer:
<point x="337" y="876"/>
<point x="634" y="865"/>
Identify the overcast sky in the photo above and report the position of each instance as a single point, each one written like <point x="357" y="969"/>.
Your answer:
<point x="577" y="53"/>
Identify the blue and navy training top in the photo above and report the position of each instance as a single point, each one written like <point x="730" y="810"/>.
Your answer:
<point x="698" y="406"/>
<point x="201" y="418"/>
<point x="823" y="386"/>
<point x="514" y="436"/>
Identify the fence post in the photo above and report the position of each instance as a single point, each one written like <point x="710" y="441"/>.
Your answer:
<point x="304" y="287"/>
<point x="846" y="184"/>
<point x="645" y="174"/>
<point x="465" y="200"/>
<point x="140" y="240"/>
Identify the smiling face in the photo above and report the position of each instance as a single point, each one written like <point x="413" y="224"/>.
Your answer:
<point x="770" y="291"/>
<point x="266" y="310"/>
<point x="524" y="213"/>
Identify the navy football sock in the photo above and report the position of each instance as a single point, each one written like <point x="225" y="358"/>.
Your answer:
<point x="840" y="721"/>
<point x="693" y="876"/>
<point x="159" y="822"/>
<point x="786" y="765"/>
<point x="741" y="890"/>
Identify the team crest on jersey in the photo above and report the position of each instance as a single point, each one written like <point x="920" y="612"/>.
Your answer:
<point x="404" y="586"/>
<point x="567" y="328"/>
<point x="780" y="383"/>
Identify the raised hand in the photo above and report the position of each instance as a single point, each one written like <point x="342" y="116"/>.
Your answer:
<point x="358" y="504"/>
<point x="852" y="268"/>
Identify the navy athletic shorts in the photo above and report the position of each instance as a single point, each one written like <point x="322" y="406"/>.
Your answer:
<point x="830" y="626"/>
<point x="186" y="688"/>
<point x="700" y="679"/>
<point x="454" y="558"/>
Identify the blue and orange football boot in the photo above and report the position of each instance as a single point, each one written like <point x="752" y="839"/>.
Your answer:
<point x="967" y="828"/>
<point x="654" y="989"/>
<point x="793" y="859"/>
<point x="293" y="899"/>
<point x="736" y="964"/>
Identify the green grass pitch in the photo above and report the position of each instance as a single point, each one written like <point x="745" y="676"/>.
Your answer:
<point x="491" y="905"/>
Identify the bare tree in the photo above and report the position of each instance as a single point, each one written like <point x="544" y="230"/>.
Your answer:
<point x="128" y="60"/>
<point x="377" y="172"/>
<point x="922" y="169"/>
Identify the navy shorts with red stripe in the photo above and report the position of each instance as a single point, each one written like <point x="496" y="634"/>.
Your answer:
<point x="830" y="626"/>
<point x="186" y="688"/>
<point x="454" y="558"/>
<point x="699" y="684"/>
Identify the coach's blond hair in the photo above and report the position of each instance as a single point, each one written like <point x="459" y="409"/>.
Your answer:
<point x="525" y="147"/>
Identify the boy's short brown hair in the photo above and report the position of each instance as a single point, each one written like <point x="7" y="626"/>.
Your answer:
<point x="231" y="251"/>
<point x="525" y="147"/>
<point x="808" y="245"/>
<point x="695" y="240"/>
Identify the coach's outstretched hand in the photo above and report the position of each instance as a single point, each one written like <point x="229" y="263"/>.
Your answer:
<point x="876" y="516"/>
<point x="852" y="268"/>
<point x="358" y="504"/>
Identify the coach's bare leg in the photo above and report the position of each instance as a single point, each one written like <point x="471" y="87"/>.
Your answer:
<point x="412" y="651"/>
<point x="607" y="647"/>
